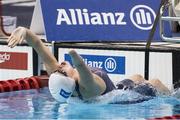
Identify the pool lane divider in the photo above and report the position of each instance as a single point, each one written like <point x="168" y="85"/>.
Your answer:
<point x="33" y="82"/>
<point x="173" y="117"/>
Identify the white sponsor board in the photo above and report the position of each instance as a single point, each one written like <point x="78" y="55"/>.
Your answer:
<point x="13" y="64"/>
<point x="160" y="66"/>
<point x="134" y="61"/>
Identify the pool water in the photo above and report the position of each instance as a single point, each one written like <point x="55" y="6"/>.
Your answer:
<point x="38" y="104"/>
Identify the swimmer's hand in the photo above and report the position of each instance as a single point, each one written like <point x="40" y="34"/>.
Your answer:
<point x="76" y="59"/>
<point x="17" y="37"/>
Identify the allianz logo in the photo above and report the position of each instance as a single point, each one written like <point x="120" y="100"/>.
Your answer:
<point x="83" y="17"/>
<point x="109" y="64"/>
<point x="4" y="57"/>
<point x="141" y="16"/>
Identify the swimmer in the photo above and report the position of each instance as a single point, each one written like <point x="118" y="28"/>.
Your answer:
<point x="89" y="82"/>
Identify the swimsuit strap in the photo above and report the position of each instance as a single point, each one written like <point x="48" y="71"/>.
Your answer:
<point x="77" y="90"/>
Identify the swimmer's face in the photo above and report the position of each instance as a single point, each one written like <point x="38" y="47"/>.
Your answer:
<point x="66" y="69"/>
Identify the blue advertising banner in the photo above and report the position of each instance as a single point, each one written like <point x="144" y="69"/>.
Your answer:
<point x="111" y="64"/>
<point x="99" y="20"/>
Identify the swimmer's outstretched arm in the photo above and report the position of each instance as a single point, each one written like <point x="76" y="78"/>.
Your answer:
<point x="92" y="84"/>
<point x="20" y="34"/>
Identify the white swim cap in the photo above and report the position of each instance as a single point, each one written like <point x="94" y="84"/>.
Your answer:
<point x="61" y="87"/>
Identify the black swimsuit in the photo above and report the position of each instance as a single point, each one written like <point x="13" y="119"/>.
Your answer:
<point x="109" y="84"/>
<point x="143" y="88"/>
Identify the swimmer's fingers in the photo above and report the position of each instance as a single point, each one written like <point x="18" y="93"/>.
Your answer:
<point x="14" y="43"/>
<point x="9" y="39"/>
<point x="21" y="40"/>
<point x="11" y="42"/>
<point x="17" y="37"/>
<point x="18" y="40"/>
<point x="12" y="38"/>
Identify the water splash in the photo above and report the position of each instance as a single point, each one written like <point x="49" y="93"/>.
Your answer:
<point x="113" y="97"/>
<point x="176" y="93"/>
